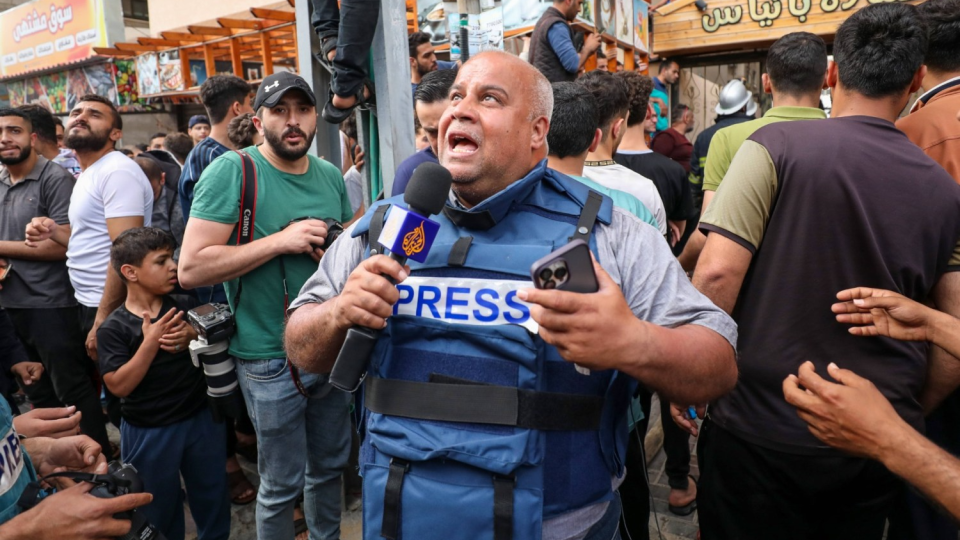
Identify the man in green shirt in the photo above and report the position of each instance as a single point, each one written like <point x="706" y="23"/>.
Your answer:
<point x="796" y="71"/>
<point x="301" y="422"/>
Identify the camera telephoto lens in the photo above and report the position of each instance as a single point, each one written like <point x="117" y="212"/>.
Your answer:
<point x="560" y="273"/>
<point x="546" y="274"/>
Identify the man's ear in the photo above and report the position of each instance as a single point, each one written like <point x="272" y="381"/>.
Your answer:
<point x="33" y="140"/>
<point x="767" y="85"/>
<point x="163" y="178"/>
<point x="413" y="64"/>
<point x="833" y="75"/>
<point x="116" y="134"/>
<point x="129" y="272"/>
<point x="258" y="123"/>
<point x="917" y="81"/>
<point x="597" y="136"/>
<point x="541" y="126"/>
<point x="617" y="128"/>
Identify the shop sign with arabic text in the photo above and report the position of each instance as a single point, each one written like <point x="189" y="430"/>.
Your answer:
<point x="728" y="22"/>
<point x="47" y="33"/>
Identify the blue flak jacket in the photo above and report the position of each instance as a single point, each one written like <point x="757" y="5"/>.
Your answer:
<point x="462" y="323"/>
<point x="16" y="470"/>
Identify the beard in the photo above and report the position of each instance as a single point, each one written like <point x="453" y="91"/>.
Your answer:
<point x="284" y="150"/>
<point x="86" y="141"/>
<point x="16" y="160"/>
<point x="424" y="69"/>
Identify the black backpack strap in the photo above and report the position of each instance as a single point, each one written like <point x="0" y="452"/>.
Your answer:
<point x="248" y="209"/>
<point x="376" y="227"/>
<point x="588" y="216"/>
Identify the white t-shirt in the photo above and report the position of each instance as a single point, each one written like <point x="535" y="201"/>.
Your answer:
<point x="113" y="187"/>
<point x="618" y="177"/>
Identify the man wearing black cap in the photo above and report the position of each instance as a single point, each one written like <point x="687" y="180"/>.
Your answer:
<point x="301" y="422"/>
<point x="198" y="128"/>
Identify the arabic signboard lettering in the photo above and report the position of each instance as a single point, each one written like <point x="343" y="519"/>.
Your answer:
<point x="46" y="33"/>
<point x="742" y="22"/>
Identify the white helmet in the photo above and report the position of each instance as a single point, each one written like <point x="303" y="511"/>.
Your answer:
<point x="733" y="96"/>
<point x="752" y="108"/>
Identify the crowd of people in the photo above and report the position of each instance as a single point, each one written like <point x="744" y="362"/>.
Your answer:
<point x="798" y="317"/>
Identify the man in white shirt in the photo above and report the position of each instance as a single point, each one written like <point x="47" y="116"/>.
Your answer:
<point x="613" y="99"/>
<point x="111" y="195"/>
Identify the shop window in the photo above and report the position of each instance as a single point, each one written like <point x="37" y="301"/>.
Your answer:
<point x="136" y="9"/>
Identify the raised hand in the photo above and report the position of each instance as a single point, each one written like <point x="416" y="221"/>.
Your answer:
<point x="878" y="312"/>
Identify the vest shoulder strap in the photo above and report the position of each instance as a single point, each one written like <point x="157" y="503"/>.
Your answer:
<point x="376" y="227"/>
<point x="588" y="217"/>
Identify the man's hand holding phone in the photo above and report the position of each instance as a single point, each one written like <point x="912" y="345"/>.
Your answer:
<point x="587" y="329"/>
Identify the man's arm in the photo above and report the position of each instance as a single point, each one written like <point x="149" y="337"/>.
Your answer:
<point x="855" y="417"/>
<point x="315" y="332"/>
<point x="46" y="250"/>
<point x="691" y="252"/>
<point x="43" y="228"/>
<point x="114" y="290"/>
<point x="720" y="272"/>
<point x="206" y="260"/>
<point x="943" y="369"/>
<point x="689" y="363"/>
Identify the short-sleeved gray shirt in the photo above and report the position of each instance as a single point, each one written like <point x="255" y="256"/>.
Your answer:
<point x="639" y="261"/>
<point x="44" y="192"/>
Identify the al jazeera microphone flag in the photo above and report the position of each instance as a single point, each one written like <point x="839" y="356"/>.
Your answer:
<point x="408" y="234"/>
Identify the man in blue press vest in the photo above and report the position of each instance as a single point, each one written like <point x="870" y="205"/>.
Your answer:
<point x="538" y="452"/>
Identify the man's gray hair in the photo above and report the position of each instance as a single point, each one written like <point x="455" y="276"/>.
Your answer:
<point x="542" y="97"/>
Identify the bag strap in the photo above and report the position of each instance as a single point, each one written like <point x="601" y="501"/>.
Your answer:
<point x="248" y="209"/>
<point x="248" y="199"/>
<point x="588" y="217"/>
<point x="376" y="227"/>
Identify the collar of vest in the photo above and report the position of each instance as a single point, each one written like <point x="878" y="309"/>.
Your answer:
<point x="541" y="188"/>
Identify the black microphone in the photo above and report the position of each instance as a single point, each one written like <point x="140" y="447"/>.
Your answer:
<point x="406" y="233"/>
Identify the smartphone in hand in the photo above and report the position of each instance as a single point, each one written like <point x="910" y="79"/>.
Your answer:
<point x="569" y="268"/>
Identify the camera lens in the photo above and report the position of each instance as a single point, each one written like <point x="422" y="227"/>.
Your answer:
<point x="550" y="285"/>
<point x="560" y="273"/>
<point x="546" y="274"/>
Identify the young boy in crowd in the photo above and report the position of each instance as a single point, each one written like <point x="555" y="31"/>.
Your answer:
<point x="167" y="429"/>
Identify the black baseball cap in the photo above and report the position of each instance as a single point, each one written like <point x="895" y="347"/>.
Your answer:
<point x="273" y="87"/>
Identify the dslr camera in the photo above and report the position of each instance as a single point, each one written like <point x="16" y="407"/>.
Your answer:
<point x="334" y="229"/>
<point x="122" y="479"/>
<point x="215" y="325"/>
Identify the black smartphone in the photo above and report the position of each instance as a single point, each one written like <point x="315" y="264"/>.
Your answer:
<point x="569" y="268"/>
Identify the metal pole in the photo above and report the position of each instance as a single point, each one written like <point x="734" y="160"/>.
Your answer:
<point x="466" y="8"/>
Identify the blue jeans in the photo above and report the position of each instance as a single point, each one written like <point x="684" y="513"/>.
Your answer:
<point x="303" y="445"/>
<point x="194" y="448"/>
<point x="608" y="528"/>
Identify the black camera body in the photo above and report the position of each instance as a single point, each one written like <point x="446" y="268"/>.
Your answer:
<point x="334" y="230"/>
<point x="122" y="479"/>
<point x="213" y="322"/>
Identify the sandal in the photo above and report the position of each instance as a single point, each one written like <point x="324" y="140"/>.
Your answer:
<point x="323" y="57"/>
<point x="688" y="508"/>
<point x="334" y="115"/>
<point x="239" y="484"/>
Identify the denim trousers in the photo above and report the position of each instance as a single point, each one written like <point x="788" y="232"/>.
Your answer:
<point x="192" y="448"/>
<point x="353" y="22"/>
<point x="303" y="445"/>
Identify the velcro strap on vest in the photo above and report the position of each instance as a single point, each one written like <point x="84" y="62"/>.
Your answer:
<point x="476" y="403"/>
<point x="588" y="216"/>
<point x="503" y="507"/>
<point x="390" y="526"/>
<point x="458" y="253"/>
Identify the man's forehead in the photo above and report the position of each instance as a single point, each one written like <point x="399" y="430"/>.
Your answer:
<point x="12" y="120"/>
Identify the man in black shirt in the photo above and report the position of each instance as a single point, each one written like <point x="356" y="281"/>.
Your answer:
<point x="668" y="175"/>
<point x="167" y="429"/>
